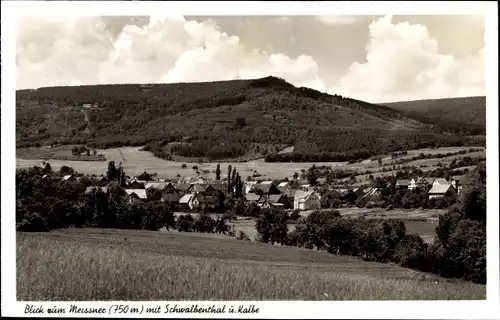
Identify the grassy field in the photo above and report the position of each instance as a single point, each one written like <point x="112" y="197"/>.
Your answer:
<point x="136" y="162"/>
<point x="100" y="264"/>
<point x="60" y="153"/>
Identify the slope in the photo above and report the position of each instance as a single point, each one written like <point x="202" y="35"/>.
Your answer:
<point x="71" y="264"/>
<point x="219" y="120"/>
<point x="452" y="114"/>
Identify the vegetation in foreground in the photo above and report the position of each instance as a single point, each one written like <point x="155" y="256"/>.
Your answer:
<point x="90" y="264"/>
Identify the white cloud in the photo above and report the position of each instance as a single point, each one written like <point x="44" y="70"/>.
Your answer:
<point x="168" y="49"/>
<point x="332" y="20"/>
<point x="402" y="60"/>
<point x="403" y="63"/>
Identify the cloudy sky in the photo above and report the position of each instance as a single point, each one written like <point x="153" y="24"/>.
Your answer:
<point x="372" y="58"/>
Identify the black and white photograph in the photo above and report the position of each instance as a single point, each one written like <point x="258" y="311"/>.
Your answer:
<point x="169" y="156"/>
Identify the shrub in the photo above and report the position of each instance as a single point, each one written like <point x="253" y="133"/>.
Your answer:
<point x="411" y="252"/>
<point x="271" y="226"/>
<point x="295" y="215"/>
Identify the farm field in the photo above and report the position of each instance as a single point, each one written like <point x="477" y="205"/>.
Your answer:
<point x="106" y="264"/>
<point x="136" y="162"/>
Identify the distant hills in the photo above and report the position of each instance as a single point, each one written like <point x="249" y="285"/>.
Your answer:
<point x="235" y="119"/>
<point x="450" y="113"/>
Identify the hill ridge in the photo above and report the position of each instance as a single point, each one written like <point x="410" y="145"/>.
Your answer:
<point x="225" y="119"/>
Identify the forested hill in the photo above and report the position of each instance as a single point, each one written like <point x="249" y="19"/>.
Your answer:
<point x="451" y="114"/>
<point x="219" y="120"/>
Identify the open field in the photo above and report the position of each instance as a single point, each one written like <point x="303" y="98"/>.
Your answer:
<point x="62" y="153"/>
<point x="104" y="264"/>
<point x="136" y="162"/>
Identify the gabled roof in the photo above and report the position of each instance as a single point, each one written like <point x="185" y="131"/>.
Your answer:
<point x="303" y="195"/>
<point x="67" y="177"/>
<point x="265" y="187"/>
<point x="218" y="186"/>
<point x="441" y="181"/>
<point x="156" y="185"/>
<point x="186" y="198"/>
<point x="201" y="187"/>
<point x="403" y="182"/>
<point x="171" y="197"/>
<point x="439" y="188"/>
<point x="252" y="197"/>
<point x="266" y="182"/>
<point x="274" y="198"/>
<point x="428" y="180"/>
<point x="141" y="193"/>
<point x="283" y="184"/>
<point x="183" y="186"/>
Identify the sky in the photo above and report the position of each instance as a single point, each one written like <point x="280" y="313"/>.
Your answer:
<point x="371" y="58"/>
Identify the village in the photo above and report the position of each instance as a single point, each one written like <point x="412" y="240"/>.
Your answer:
<point x="291" y="193"/>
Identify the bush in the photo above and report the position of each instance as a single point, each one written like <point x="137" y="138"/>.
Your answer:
<point x="295" y="215"/>
<point x="411" y="252"/>
<point x="271" y="226"/>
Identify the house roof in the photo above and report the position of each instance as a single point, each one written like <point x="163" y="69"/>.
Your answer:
<point x="439" y="188"/>
<point x="183" y="186"/>
<point x="303" y="195"/>
<point x="218" y="186"/>
<point x="403" y="182"/>
<point x="283" y="184"/>
<point x="266" y="182"/>
<point x="441" y="181"/>
<point x="252" y="197"/>
<point x="156" y="185"/>
<point x="67" y="177"/>
<point x="265" y="187"/>
<point x="141" y="193"/>
<point x="429" y="180"/>
<point x="186" y="198"/>
<point x="171" y="197"/>
<point x="274" y="198"/>
<point x="201" y="187"/>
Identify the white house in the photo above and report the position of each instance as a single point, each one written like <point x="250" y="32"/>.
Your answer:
<point x="413" y="183"/>
<point x="306" y="200"/>
<point x="440" y="181"/>
<point x="191" y="200"/>
<point x="249" y="185"/>
<point x="440" y="190"/>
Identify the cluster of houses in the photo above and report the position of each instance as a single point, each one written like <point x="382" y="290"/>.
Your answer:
<point x="436" y="187"/>
<point x="266" y="194"/>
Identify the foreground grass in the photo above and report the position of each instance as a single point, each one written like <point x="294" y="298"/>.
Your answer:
<point x="79" y="264"/>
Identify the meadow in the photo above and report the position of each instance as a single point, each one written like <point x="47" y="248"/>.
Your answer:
<point x="107" y="264"/>
<point x="136" y="162"/>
